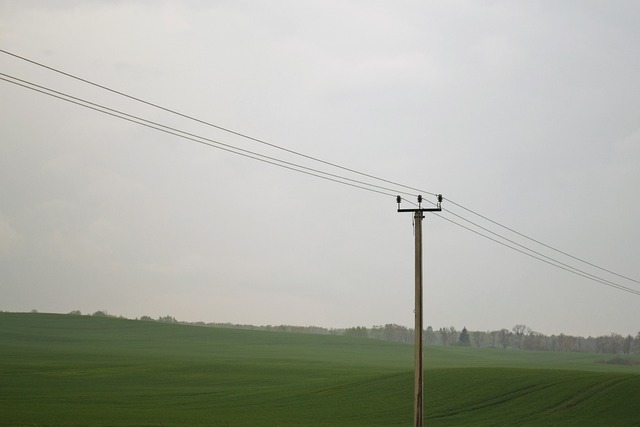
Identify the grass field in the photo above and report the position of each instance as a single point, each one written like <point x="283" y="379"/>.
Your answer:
<point x="63" y="370"/>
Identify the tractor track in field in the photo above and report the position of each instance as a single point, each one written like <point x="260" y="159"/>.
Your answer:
<point x="351" y="384"/>
<point x="587" y="394"/>
<point x="496" y="400"/>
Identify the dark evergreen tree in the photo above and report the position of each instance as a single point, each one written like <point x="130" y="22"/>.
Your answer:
<point x="464" y="337"/>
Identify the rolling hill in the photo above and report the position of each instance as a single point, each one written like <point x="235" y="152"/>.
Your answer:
<point x="84" y="370"/>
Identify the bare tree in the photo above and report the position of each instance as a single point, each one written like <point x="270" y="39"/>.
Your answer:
<point x="448" y="335"/>
<point x="505" y="337"/>
<point x="566" y="342"/>
<point x="615" y="343"/>
<point x="494" y="338"/>
<point x="533" y="341"/>
<point x="627" y="344"/>
<point x="518" y="334"/>
<point x="454" y="335"/>
<point x="444" y="335"/>
<point x="429" y="336"/>
<point x="477" y="338"/>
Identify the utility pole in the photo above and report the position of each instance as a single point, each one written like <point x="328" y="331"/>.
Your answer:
<point x="418" y="389"/>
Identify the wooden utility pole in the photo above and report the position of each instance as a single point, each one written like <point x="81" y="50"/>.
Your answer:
<point x="418" y="389"/>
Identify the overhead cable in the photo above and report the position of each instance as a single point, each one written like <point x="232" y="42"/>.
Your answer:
<point x="200" y="139"/>
<point x="526" y="248"/>
<point x="541" y="243"/>
<point x="300" y="168"/>
<point x="570" y="269"/>
<point x="261" y="141"/>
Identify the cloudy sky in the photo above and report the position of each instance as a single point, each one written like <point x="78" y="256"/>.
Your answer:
<point x="525" y="112"/>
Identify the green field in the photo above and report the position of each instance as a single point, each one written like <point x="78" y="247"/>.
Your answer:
<point x="80" y="370"/>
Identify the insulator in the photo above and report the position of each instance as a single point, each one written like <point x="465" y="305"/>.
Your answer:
<point x="398" y="199"/>
<point x="420" y="199"/>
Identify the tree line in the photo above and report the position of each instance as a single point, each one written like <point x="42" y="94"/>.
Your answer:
<point x="519" y="337"/>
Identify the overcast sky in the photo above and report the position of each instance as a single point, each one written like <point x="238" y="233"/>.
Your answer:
<point x="526" y="112"/>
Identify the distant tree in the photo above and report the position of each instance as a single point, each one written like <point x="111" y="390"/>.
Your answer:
<point x="601" y="344"/>
<point x="444" y="336"/>
<point x="615" y="343"/>
<point x="100" y="313"/>
<point x="505" y="337"/>
<point x="146" y="318"/>
<point x="519" y="332"/>
<point x="376" y="332"/>
<point x="75" y="313"/>
<point x="561" y="342"/>
<point x="627" y="344"/>
<point x="34" y="311"/>
<point x="566" y="342"/>
<point x="167" y="319"/>
<point x="534" y="341"/>
<point x="464" y="337"/>
<point x="454" y="334"/>
<point x="636" y="343"/>
<point x="448" y="335"/>
<point x="578" y="343"/>
<point x="477" y="338"/>
<point x="494" y="338"/>
<point x="358" y="331"/>
<point x="397" y="333"/>
<point x="589" y="345"/>
<point x="429" y="336"/>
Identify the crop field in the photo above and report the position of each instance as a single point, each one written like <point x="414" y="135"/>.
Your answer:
<point x="64" y="370"/>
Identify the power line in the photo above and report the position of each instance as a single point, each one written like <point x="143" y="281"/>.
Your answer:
<point x="541" y="243"/>
<point x="570" y="269"/>
<point x="200" y="139"/>
<point x="529" y="238"/>
<point x="538" y="256"/>
<point x="290" y="166"/>
<point x="296" y="167"/>
<point x="261" y="141"/>
<point x="526" y="248"/>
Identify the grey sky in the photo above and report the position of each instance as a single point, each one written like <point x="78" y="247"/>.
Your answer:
<point x="527" y="112"/>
